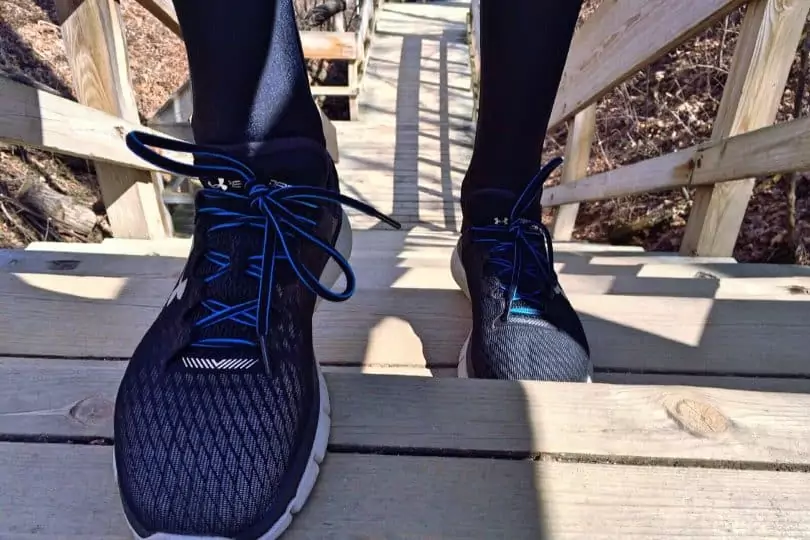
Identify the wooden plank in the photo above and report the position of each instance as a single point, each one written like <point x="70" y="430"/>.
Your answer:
<point x="94" y="260"/>
<point x="121" y="259"/>
<point x="96" y="50"/>
<point x="31" y="117"/>
<point x="401" y="243"/>
<point x="330" y="45"/>
<point x="577" y="156"/>
<point x="68" y="491"/>
<point x="421" y="269"/>
<point x="772" y="150"/>
<point x="347" y="91"/>
<point x="765" y="49"/>
<point x="663" y="333"/>
<point x="75" y="399"/>
<point x="387" y="271"/>
<point x="316" y="45"/>
<point x="621" y="38"/>
<point x="164" y="11"/>
<point x="365" y="31"/>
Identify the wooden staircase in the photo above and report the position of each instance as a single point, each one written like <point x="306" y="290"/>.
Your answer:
<point x="696" y="425"/>
<point x="677" y="441"/>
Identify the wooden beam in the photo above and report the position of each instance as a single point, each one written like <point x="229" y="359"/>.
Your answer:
<point x="621" y="38"/>
<point x="317" y="45"/>
<point x="46" y="396"/>
<point x="764" y="54"/>
<point x="164" y="11"/>
<point x="53" y="488"/>
<point x="577" y="156"/>
<point x="776" y="149"/>
<point x="329" y="45"/>
<point x="766" y="337"/>
<point x="96" y="50"/>
<point x="33" y="117"/>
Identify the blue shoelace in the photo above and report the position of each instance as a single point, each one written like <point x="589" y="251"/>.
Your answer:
<point x="520" y="252"/>
<point x="272" y="205"/>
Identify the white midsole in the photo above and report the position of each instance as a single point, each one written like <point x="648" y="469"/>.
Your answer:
<point x="460" y="277"/>
<point x="329" y="277"/>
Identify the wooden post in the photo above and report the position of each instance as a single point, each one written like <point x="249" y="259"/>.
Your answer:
<point x="354" y="88"/>
<point x="92" y="31"/>
<point x="765" y="50"/>
<point x="577" y="156"/>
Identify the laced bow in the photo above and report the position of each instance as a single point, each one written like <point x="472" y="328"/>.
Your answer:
<point x="520" y="253"/>
<point x="266" y="206"/>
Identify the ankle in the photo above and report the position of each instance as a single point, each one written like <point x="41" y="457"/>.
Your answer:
<point x="294" y="160"/>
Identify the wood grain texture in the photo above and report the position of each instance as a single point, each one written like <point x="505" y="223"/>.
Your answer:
<point x="781" y="148"/>
<point x="68" y="492"/>
<point x="768" y="39"/>
<point x="622" y="37"/>
<point x="43" y="120"/>
<point x="737" y="327"/>
<point x="577" y="157"/>
<point x="74" y="398"/>
<point x="96" y="50"/>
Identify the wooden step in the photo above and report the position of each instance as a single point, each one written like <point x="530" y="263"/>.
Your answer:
<point x="708" y="457"/>
<point x="99" y="305"/>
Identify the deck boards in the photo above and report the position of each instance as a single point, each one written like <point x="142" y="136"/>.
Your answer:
<point x="673" y="444"/>
<point x="410" y="149"/>
<point x="658" y="424"/>
<point x="734" y="326"/>
<point x="67" y="492"/>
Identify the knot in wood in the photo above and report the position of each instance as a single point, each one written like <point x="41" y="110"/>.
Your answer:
<point x="696" y="417"/>
<point x="91" y="410"/>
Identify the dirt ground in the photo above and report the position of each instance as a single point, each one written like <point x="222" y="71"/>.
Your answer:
<point x="669" y="105"/>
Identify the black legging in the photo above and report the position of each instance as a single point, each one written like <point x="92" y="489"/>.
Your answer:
<point x="250" y="83"/>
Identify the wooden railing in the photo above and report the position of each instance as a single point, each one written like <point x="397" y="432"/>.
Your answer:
<point x="131" y="189"/>
<point x="351" y="47"/>
<point x="622" y="37"/>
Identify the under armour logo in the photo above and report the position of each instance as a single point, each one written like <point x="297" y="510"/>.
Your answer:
<point x="220" y="184"/>
<point x="501" y="221"/>
<point x="178" y="291"/>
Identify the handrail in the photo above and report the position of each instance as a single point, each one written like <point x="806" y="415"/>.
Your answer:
<point x="352" y="47"/>
<point x="622" y="37"/>
<point x="94" y="128"/>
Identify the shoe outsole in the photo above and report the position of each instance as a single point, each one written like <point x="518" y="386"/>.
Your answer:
<point x="307" y="482"/>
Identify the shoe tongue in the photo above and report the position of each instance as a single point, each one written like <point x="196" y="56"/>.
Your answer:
<point x="279" y="164"/>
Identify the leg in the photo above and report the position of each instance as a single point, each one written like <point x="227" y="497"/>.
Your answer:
<point x="222" y="416"/>
<point x="516" y="96"/>
<point x="248" y="75"/>
<point x="523" y="325"/>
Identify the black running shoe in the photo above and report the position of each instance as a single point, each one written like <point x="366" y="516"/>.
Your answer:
<point x="222" y="416"/>
<point x="524" y="327"/>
